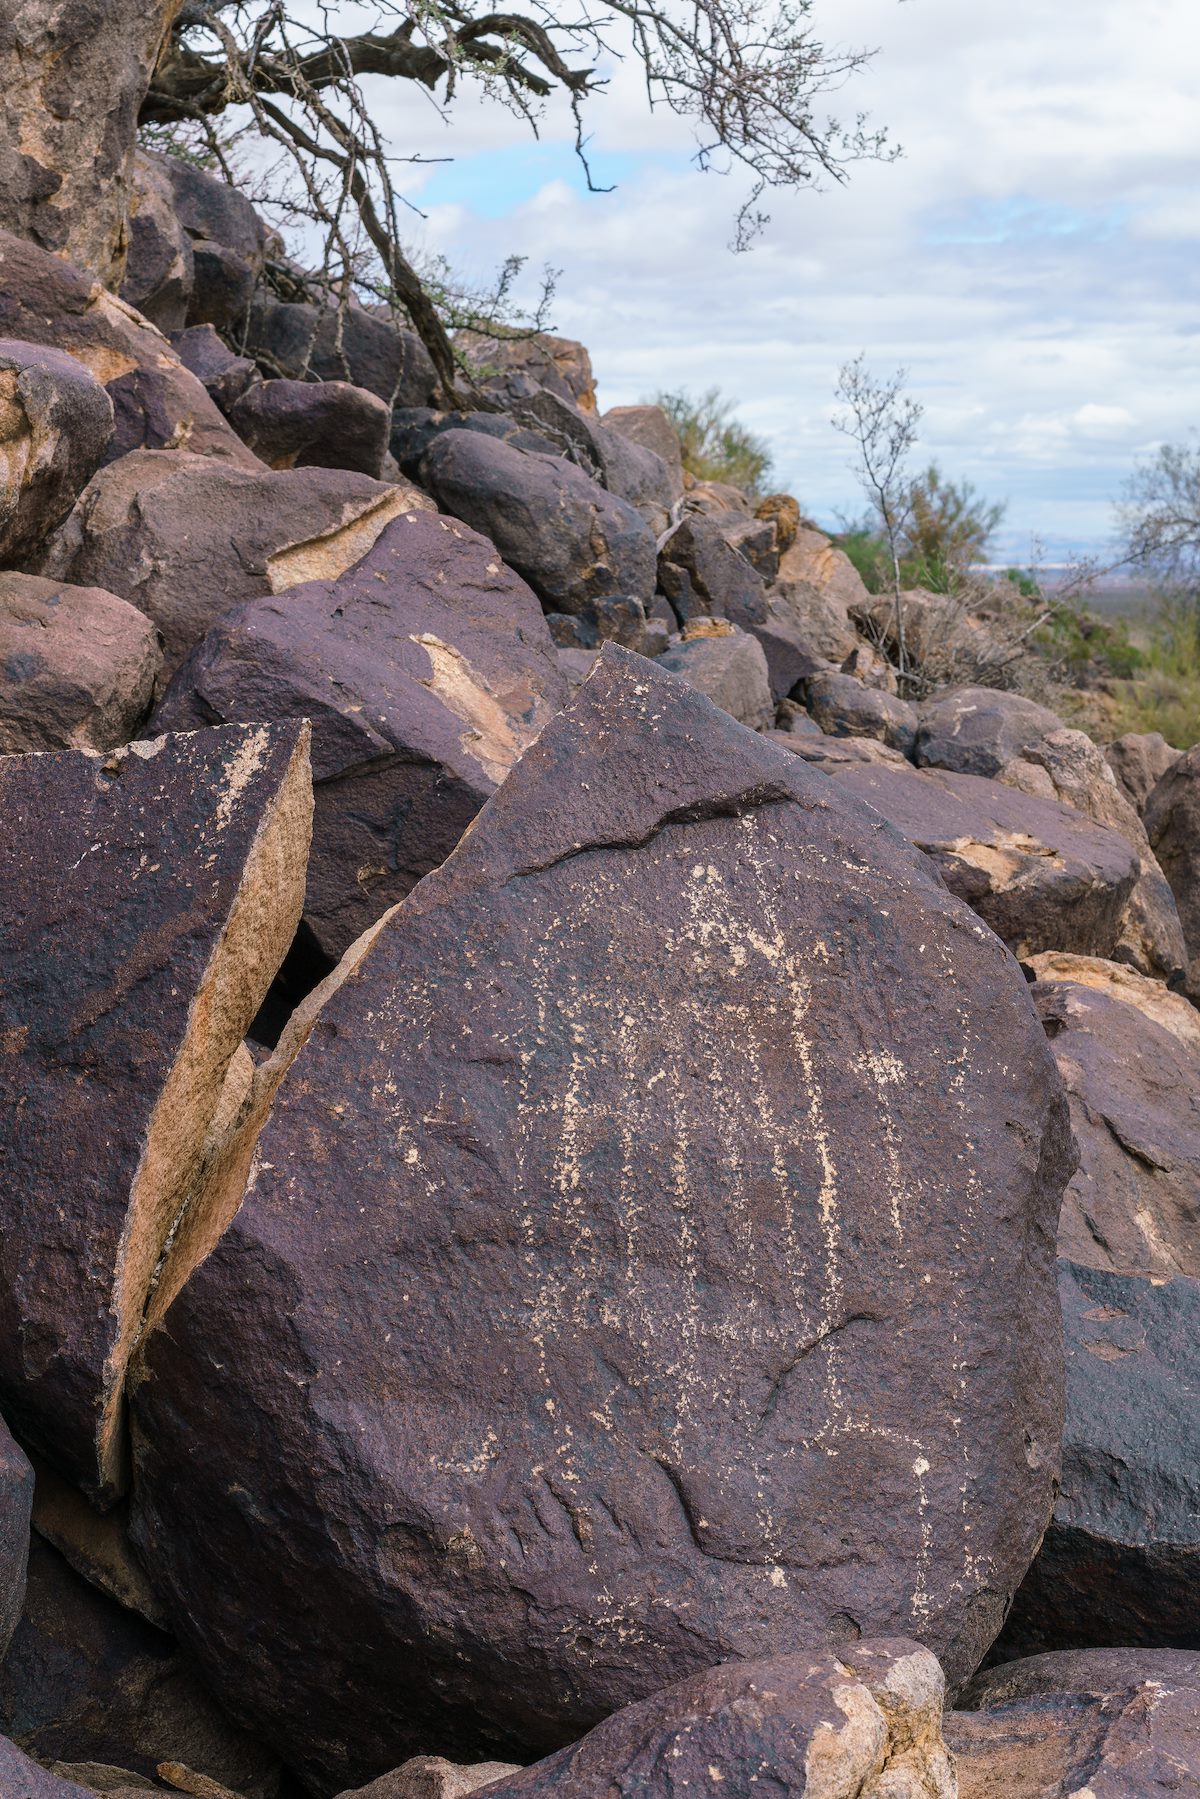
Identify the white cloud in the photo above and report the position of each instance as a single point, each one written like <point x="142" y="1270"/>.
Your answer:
<point x="1031" y="261"/>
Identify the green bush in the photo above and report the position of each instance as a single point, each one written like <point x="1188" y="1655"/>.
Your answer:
<point x="715" y="445"/>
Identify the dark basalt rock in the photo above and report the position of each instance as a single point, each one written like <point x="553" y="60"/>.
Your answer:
<point x="414" y="428"/>
<point x="85" y="1681"/>
<point x="222" y="287"/>
<point x="648" y="1261"/>
<point x="1139" y="760"/>
<point x="146" y="900"/>
<point x="1173" y="824"/>
<point x="55" y="425"/>
<point x="21" y="1778"/>
<point x="1041" y="874"/>
<point x="211" y="211"/>
<point x="978" y="731"/>
<point x="224" y="376"/>
<point x="1133" y="1205"/>
<point x="1121" y="1561"/>
<point x="301" y="341"/>
<point x="77" y="666"/>
<point x="704" y="577"/>
<point x="159" y="266"/>
<point x="573" y="541"/>
<point x="865" y="1722"/>
<point x="426" y="670"/>
<point x="843" y="707"/>
<point x="313" y="424"/>
<point x="16" y="1503"/>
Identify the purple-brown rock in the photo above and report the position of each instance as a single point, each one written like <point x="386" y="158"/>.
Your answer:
<point x="77" y="666"/>
<point x="146" y="901"/>
<point x="21" y="1778"/>
<point x="184" y="538"/>
<point x="314" y="424"/>
<point x="648" y="1261"/>
<point x="1173" y="824"/>
<point x="1139" y="760"/>
<point x="55" y="424"/>
<point x="16" y="1504"/>
<point x="426" y="670"/>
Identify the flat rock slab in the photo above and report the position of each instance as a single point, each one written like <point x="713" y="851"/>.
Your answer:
<point x="77" y="666"/>
<point x="1112" y="1723"/>
<point x="16" y="1506"/>
<point x="648" y="1261"/>
<point x="1133" y="1205"/>
<point x="183" y="538"/>
<point x="864" y="1723"/>
<point x="426" y="670"/>
<point x="1042" y="875"/>
<point x="146" y="900"/>
<point x="1121" y="1560"/>
<point x="55" y="424"/>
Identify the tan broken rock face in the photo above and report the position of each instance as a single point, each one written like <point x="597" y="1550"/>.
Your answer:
<point x="148" y="898"/>
<point x="1155" y="1001"/>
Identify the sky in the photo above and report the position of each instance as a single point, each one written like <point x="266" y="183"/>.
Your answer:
<point x="1031" y="260"/>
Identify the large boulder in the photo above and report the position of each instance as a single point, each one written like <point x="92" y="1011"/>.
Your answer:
<point x="146" y="900"/>
<point x="1109" y="1724"/>
<point x="1040" y="874"/>
<point x="1139" y="760"/>
<point x="843" y="707"/>
<point x="647" y="1262"/>
<point x="185" y="538"/>
<point x="160" y="268"/>
<point x="812" y="559"/>
<point x="16" y="1505"/>
<point x="1171" y="1010"/>
<point x="517" y="369"/>
<point x="86" y="1681"/>
<point x="1133" y="1204"/>
<point x="77" y="666"/>
<point x="570" y="538"/>
<point x="415" y="427"/>
<point x="1172" y="818"/>
<point x="627" y="469"/>
<point x="729" y="666"/>
<point x="313" y="424"/>
<point x="224" y="376"/>
<point x="979" y="731"/>
<point x="158" y="402"/>
<point x="650" y="427"/>
<point x="300" y="341"/>
<point x="426" y="670"/>
<point x="862" y="1724"/>
<point x="1120" y="1563"/>
<point x="73" y="75"/>
<point x="55" y="425"/>
<point x="704" y="576"/>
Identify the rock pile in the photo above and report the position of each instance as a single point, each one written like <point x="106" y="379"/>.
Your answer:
<point x="551" y="1121"/>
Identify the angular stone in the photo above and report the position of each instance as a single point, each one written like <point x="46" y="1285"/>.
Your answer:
<point x="299" y="341"/>
<point x="783" y="511"/>
<point x="94" y="1543"/>
<point x="222" y="288"/>
<point x="1134" y="1202"/>
<point x="595" y="1206"/>
<point x="520" y="367"/>
<point x="829" y="753"/>
<point x="814" y="561"/>
<point x="314" y="424"/>
<point x="160" y="268"/>
<point x="567" y="536"/>
<point x="1097" y="1671"/>
<point x="1171" y="1010"/>
<point x="85" y="1681"/>
<point x="224" y="376"/>
<point x="45" y="301"/>
<point x="650" y="427"/>
<point x="729" y="667"/>
<point x="55" y="425"/>
<point x="1120" y="1562"/>
<point x="415" y="427"/>
<point x="979" y="731"/>
<point x="77" y="666"/>
<point x="432" y="1777"/>
<point x="843" y="707"/>
<point x="185" y="538"/>
<point x="1040" y="874"/>
<point x="213" y="212"/>
<point x="426" y="670"/>
<point x="16" y="1502"/>
<point x="1172" y="818"/>
<point x="147" y="900"/>
<point x="865" y="1724"/>
<point x="21" y="1778"/>
<point x="627" y="469"/>
<point x="703" y="575"/>
<point x="1139" y="760"/>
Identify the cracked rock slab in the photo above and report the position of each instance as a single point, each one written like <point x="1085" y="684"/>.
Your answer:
<point x="426" y="670"/>
<point x="147" y="898"/>
<point x="648" y="1260"/>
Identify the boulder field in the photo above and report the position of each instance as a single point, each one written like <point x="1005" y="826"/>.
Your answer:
<point x="599" y="1185"/>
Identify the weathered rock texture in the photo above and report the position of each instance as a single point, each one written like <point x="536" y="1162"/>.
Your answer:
<point x="1120" y="1563"/>
<point x="94" y="1543"/>
<point x="55" y="424"/>
<point x="157" y="402"/>
<point x="979" y="731"/>
<point x="314" y="424"/>
<point x="426" y="670"/>
<point x="1173" y="824"/>
<point x="1133" y="1204"/>
<point x="77" y="666"/>
<point x="73" y="74"/>
<point x="433" y="1777"/>
<point x="147" y="900"/>
<point x="843" y="707"/>
<point x="85" y="1681"/>
<point x="1112" y="1724"/>
<point x="1139" y="760"/>
<point x="301" y="341"/>
<point x="21" y="1778"/>
<point x="185" y="538"/>
<point x="16" y="1501"/>
<point x="518" y="368"/>
<point x="648" y="1261"/>
<point x="1041" y="874"/>
<point x="570" y="538"/>
<point x="1158" y="1003"/>
<point x="865" y="1724"/>
<point x="730" y="668"/>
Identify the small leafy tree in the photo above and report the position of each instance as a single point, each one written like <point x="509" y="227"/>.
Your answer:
<point x="715" y="445"/>
<point x="1160" y="518"/>
<point x="949" y="527"/>
<point x="881" y="421"/>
